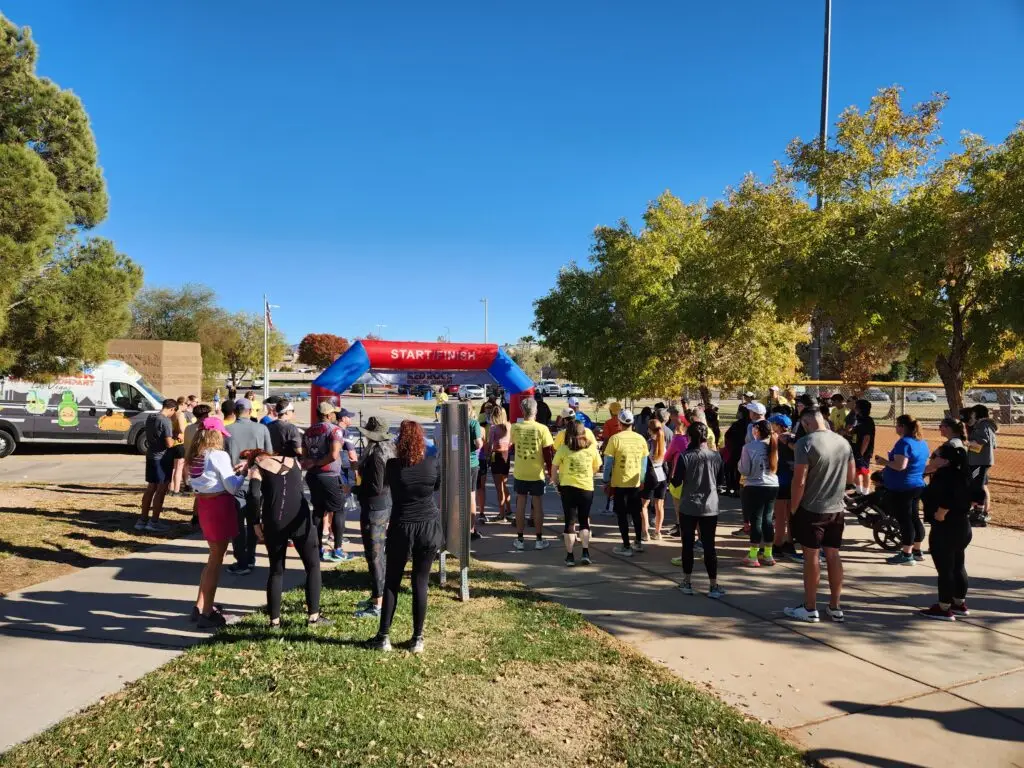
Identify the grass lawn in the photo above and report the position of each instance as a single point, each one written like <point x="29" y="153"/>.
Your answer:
<point x="507" y="679"/>
<point x="48" y="529"/>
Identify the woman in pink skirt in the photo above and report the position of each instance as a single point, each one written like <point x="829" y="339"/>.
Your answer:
<point x="215" y="482"/>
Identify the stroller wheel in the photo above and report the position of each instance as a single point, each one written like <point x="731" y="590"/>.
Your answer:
<point x="887" y="534"/>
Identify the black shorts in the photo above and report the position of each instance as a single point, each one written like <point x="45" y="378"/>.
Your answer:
<point x="499" y="465"/>
<point x="979" y="477"/>
<point x="815" y="531"/>
<point x="325" y="492"/>
<point x="159" y="468"/>
<point x="656" y="491"/>
<point x="529" y="487"/>
<point x="177" y="451"/>
<point x="785" y="491"/>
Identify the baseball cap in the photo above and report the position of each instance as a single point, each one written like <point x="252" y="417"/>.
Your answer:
<point x="326" y="407"/>
<point x="243" y="404"/>
<point x="212" y="422"/>
<point x="626" y="416"/>
<point x="344" y="413"/>
<point x="781" y="419"/>
<point x="756" y="407"/>
<point x="567" y="413"/>
<point x="573" y="402"/>
<point x="774" y="387"/>
<point x="748" y="394"/>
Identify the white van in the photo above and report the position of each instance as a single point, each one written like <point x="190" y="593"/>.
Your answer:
<point x="109" y="403"/>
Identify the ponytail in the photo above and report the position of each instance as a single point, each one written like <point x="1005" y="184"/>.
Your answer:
<point x="911" y="426"/>
<point x="763" y="430"/>
<point x="956" y="427"/>
<point x="655" y="426"/>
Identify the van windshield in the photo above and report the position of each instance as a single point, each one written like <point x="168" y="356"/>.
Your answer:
<point x="150" y="390"/>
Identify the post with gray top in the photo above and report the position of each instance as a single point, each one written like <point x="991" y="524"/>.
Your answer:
<point x="452" y="443"/>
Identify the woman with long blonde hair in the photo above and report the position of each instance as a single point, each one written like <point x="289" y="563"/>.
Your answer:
<point x="656" y="481"/>
<point x="498" y="438"/>
<point x="215" y="483"/>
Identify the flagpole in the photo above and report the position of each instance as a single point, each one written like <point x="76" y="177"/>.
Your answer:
<point x="266" y="349"/>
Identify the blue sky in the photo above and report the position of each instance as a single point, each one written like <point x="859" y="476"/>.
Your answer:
<point x="393" y="163"/>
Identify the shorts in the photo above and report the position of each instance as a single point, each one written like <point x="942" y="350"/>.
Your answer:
<point x="815" y="531"/>
<point x="159" y="468"/>
<point x="530" y="487"/>
<point x="979" y="479"/>
<point x="863" y="465"/>
<point x="499" y="465"/>
<point x="177" y="451"/>
<point x="474" y="477"/>
<point x="656" y="491"/>
<point x="218" y="517"/>
<point x="785" y="490"/>
<point x="325" y="492"/>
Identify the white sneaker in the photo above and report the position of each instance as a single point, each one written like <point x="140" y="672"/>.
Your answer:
<point x="623" y="551"/>
<point x="836" y="615"/>
<point x="542" y="544"/>
<point x="716" y="593"/>
<point x="800" y="613"/>
<point x="519" y="544"/>
<point x="140" y="524"/>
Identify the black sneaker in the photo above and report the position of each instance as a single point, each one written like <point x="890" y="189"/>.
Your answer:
<point x="585" y="560"/>
<point x="475" y="536"/>
<point x="320" y="621"/>
<point x="194" y="616"/>
<point x="212" y="620"/>
<point x="379" y="643"/>
<point x="918" y="555"/>
<point x="570" y="561"/>
<point x="240" y="569"/>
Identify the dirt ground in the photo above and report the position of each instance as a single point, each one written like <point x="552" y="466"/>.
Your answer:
<point x="47" y="530"/>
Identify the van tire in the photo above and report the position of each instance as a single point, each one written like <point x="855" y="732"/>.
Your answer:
<point x="141" y="443"/>
<point x="7" y="443"/>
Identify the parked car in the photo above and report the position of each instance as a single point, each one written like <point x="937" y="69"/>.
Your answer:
<point x="572" y="390"/>
<point x="876" y="395"/>
<point x="303" y="396"/>
<point x="452" y="390"/>
<point x="472" y="392"/>
<point x="983" y="396"/>
<point x="922" y="396"/>
<point x="548" y="388"/>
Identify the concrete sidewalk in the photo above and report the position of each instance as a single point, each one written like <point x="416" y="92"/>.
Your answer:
<point x="67" y="642"/>
<point x="886" y="688"/>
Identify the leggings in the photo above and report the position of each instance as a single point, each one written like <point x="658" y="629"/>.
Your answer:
<point x="904" y="508"/>
<point x="759" y="508"/>
<point x="373" y="525"/>
<point x="422" y="539"/>
<point x="948" y="544"/>
<point x="707" y="525"/>
<point x="732" y="471"/>
<point x="628" y="505"/>
<point x="576" y="504"/>
<point x="300" y="533"/>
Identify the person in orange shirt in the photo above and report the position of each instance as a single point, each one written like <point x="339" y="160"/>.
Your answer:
<point x="612" y="425"/>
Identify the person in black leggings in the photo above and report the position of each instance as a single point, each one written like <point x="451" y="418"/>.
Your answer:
<point x="699" y="470"/>
<point x="415" y="528"/>
<point x="574" y="465"/>
<point x="947" y="506"/>
<point x="285" y="516"/>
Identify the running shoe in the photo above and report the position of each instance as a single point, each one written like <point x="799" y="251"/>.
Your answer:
<point x="750" y="562"/>
<point x="585" y="560"/>
<point x="698" y="548"/>
<point x="319" y="621"/>
<point x="238" y="569"/>
<point x="623" y="551"/>
<point x="901" y="558"/>
<point x="646" y="535"/>
<point x="194" y="616"/>
<point x="918" y="555"/>
<point x="936" y="612"/>
<point x="716" y="593"/>
<point x="328" y="556"/>
<point x="638" y="547"/>
<point x="570" y="561"/>
<point x="475" y="536"/>
<point x="341" y="556"/>
<point x="157" y="526"/>
<point x="656" y="536"/>
<point x="836" y="614"/>
<point x="379" y="643"/>
<point x="960" y="610"/>
<point x="542" y="544"/>
<point x="766" y="561"/>
<point x="368" y="612"/>
<point x="140" y="524"/>
<point x="417" y="646"/>
<point x="677" y="562"/>
<point x="364" y="603"/>
<point x="519" y="545"/>
<point x="674" y="531"/>
<point x="743" y="532"/>
<point x="800" y="613"/>
<point x="212" y="620"/>
<point x="481" y="519"/>
<point x="686" y="588"/>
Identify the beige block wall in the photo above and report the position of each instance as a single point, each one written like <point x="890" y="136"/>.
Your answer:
<point x="173" y="367"/>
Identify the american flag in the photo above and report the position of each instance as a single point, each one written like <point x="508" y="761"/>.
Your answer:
<point x="266" y="309"/>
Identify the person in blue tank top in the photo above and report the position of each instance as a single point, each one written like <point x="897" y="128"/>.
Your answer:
<point x="903" y="478"/>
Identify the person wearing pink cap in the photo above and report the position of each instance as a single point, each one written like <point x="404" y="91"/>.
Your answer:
<point x="215" y="482"/>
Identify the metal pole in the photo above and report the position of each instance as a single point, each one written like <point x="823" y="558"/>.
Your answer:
<point x="266" y="349"/>
<point x="816" y="329"/>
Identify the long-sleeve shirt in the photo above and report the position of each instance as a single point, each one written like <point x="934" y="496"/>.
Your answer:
<point x="698" y="471"/>
<point x="214" y="474"/>
<point x="755" y="467"/>
<point x="675" y="449"/>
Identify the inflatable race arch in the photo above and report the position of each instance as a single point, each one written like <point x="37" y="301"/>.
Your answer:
<point x="417" y="362"/>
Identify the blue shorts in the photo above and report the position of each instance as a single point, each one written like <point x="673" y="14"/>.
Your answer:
<point x="159" y="467"/>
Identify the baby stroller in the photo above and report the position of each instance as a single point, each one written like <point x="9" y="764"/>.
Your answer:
<point x="870" y="511"/>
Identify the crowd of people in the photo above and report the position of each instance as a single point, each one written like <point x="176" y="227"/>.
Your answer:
<point x="792" y="461"/>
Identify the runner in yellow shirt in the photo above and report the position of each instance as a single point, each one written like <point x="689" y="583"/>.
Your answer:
<point x="573" y="468"/>
<point x="568" y="418"/>
<point x="625" y="464"/>
<point x="530" y="440"/>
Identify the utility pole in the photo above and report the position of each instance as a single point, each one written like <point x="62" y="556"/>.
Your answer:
<point x="268" y="323"/>
<point x="816" y="325"/>
<point x="448" y="334"/>
<point x="379" y="326"/>
<point x="484" y="302"/>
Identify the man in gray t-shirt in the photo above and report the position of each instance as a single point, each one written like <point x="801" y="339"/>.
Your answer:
<point x="824" y="467"/>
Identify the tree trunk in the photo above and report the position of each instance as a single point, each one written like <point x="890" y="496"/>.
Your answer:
<point x="952" y="376"/>
<point x="705" y="396"/>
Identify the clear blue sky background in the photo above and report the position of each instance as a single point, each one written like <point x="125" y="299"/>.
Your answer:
<point x="393" y="163"/>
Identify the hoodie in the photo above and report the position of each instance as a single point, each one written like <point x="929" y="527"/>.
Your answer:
<point x="983" y="434"/>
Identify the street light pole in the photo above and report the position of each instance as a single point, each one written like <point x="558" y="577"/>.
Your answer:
<point x="816" y="329"/>
<point x="379" y="326"/>
<point x="448" y="334"/>
<point x="484" y="302"/>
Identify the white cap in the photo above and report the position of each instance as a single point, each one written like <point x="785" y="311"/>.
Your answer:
<point x="748" y="394"/>
<point x="573" y="402"/>
<point x="774" y="387"/>
<point x="568" y="413"/>
<point x="626" y="416"/>
<point x="757" y="408"/>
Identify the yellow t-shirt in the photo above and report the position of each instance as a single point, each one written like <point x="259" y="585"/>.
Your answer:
<point x="257" y="409"/>
<point x="577" y="468"/>
<point x="529" y="439"/>
<point x="560" y="438"/>
<point x="838" y="418"/>
<point x="628" y="451"/>
<point x="442" y="397"/>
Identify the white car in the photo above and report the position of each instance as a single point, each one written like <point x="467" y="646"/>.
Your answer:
<point x="548" y="388"/>
<point x="472" y="392"/>
<point x="572" y="390"/>
<point x="922" y="396"/>
<point x="876" y="395"/>
<point x="983" y="396"/>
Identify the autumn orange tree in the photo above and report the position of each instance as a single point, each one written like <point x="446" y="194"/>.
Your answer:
<point x="321" y="349"/>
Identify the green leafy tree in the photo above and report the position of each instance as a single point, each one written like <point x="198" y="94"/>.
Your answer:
<point x="321" y="349"/>
<point x="536" y="360"/>
<point x="58" y="290"/>
<point x="240" y="344"/>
